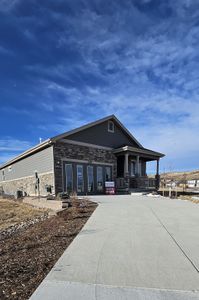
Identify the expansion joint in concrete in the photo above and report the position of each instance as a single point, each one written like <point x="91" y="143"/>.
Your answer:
<point x="175" y="241"/>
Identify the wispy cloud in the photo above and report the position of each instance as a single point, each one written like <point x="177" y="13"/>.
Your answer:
<point x="81" y="60"/>
<point x="10" y="144"/>
<point x="5" y="51"/>
<point x="7" y="5"/>
<point x="10" y="147"/>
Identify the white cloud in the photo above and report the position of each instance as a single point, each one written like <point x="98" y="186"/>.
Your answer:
<point x="14" y="145"/>
<point x="7" y="5"/>
<point x="145" y="69"/>
<point x="6" y="51"/>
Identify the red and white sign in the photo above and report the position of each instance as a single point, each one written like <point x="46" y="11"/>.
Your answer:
<point x="110" y="187"/>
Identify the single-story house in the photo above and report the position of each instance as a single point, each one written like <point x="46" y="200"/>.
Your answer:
<point x="81" y="161"/>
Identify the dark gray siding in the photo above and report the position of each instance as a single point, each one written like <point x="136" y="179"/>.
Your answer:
<point x="99" y="135"/>
<point x="41" y="162"/>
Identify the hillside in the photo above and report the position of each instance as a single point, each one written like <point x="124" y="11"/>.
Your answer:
<point x="181" y="175"/>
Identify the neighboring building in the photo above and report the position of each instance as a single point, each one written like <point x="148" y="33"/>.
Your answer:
<point x="81" y="160"/>
<point x="192" y="183"/>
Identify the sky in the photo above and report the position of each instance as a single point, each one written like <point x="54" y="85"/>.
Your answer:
<point x="66" y="63"/>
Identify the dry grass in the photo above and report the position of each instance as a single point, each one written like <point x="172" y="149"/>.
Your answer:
<point x="189" y="198"/>
<point x="27" y="256"/>
<point x="189" y="175"/>
<point x="14" y="212"/>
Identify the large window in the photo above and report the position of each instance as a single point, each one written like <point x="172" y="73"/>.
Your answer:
<point x="90" y="179"/>
<point x="80" y="179"/>
<point x="107" y="173"/>
<point x="99" y="179"/>
<point x="69" y="177"/>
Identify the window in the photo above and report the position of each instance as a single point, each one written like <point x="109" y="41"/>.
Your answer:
<point x="9" y="168"/>
<point x="90" y="180"/>
<point x="80" y="179"/>
<point x="140" y="168"/>
<point x="132" y="168"/>
<point x="99" y="179"/>
<point x="111" y="127"/>
<point x="3" y="175"/>
<point x="107" y="173"/>
<point x="69" y="178"/>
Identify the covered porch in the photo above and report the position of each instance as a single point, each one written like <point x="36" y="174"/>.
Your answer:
<point x="131" y="168"/>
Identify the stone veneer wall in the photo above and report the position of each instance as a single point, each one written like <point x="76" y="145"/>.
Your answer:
<point x="27" y="184"/>
<point x="90" y="154"/>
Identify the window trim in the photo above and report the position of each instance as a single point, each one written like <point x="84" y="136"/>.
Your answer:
<point x="113" y="126"/>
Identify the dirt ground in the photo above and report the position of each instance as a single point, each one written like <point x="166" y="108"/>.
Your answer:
<point x="14" y="212"/>
<point x="28" y="255"/>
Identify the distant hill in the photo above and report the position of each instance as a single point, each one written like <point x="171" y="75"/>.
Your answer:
<point x="181" y="175"/>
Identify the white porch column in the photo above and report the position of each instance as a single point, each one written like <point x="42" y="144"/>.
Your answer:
<point x="137" y="165"/>
<point x="126" y="164"/>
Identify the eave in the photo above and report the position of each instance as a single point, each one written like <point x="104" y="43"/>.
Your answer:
<point x="140" y="151"/>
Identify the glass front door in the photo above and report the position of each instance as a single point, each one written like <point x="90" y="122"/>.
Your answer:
<point x="132" y="169"/>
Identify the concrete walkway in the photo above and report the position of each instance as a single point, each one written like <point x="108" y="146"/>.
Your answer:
<point x="132" y="247"/>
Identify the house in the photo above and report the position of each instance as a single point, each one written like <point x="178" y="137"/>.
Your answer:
<point x="192" y="183"/>
<point x="82" y="160"/>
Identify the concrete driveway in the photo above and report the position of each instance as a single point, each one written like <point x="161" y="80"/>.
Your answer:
<point x="132" y="247"/>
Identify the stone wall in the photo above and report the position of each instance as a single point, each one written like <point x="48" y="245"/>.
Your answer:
<point x="27" y="184"/>
<point x="64" y="151"/>
<point x="55" y="205"/>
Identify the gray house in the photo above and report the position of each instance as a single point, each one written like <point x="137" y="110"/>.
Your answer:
<point x="82" y="160"/>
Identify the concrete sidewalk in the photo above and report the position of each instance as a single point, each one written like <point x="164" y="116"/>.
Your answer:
<point x="132" y="247"/>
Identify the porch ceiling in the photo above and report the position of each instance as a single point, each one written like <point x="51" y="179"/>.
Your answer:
<point x="143" y="152"/>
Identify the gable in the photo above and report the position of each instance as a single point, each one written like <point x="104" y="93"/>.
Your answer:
<point x="99" y="135"/>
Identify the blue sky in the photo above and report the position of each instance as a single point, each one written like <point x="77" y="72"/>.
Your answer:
<point x="64" y="63"/>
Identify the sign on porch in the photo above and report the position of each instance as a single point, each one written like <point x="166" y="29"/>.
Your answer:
<point x="110" y="187"/>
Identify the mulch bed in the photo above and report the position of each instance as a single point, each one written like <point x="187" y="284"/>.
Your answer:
<point x="27" y="256"/>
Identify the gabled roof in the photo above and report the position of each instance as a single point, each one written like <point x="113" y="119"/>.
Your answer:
<point x="111" y="117"/>
<point x="50" y="141"/>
